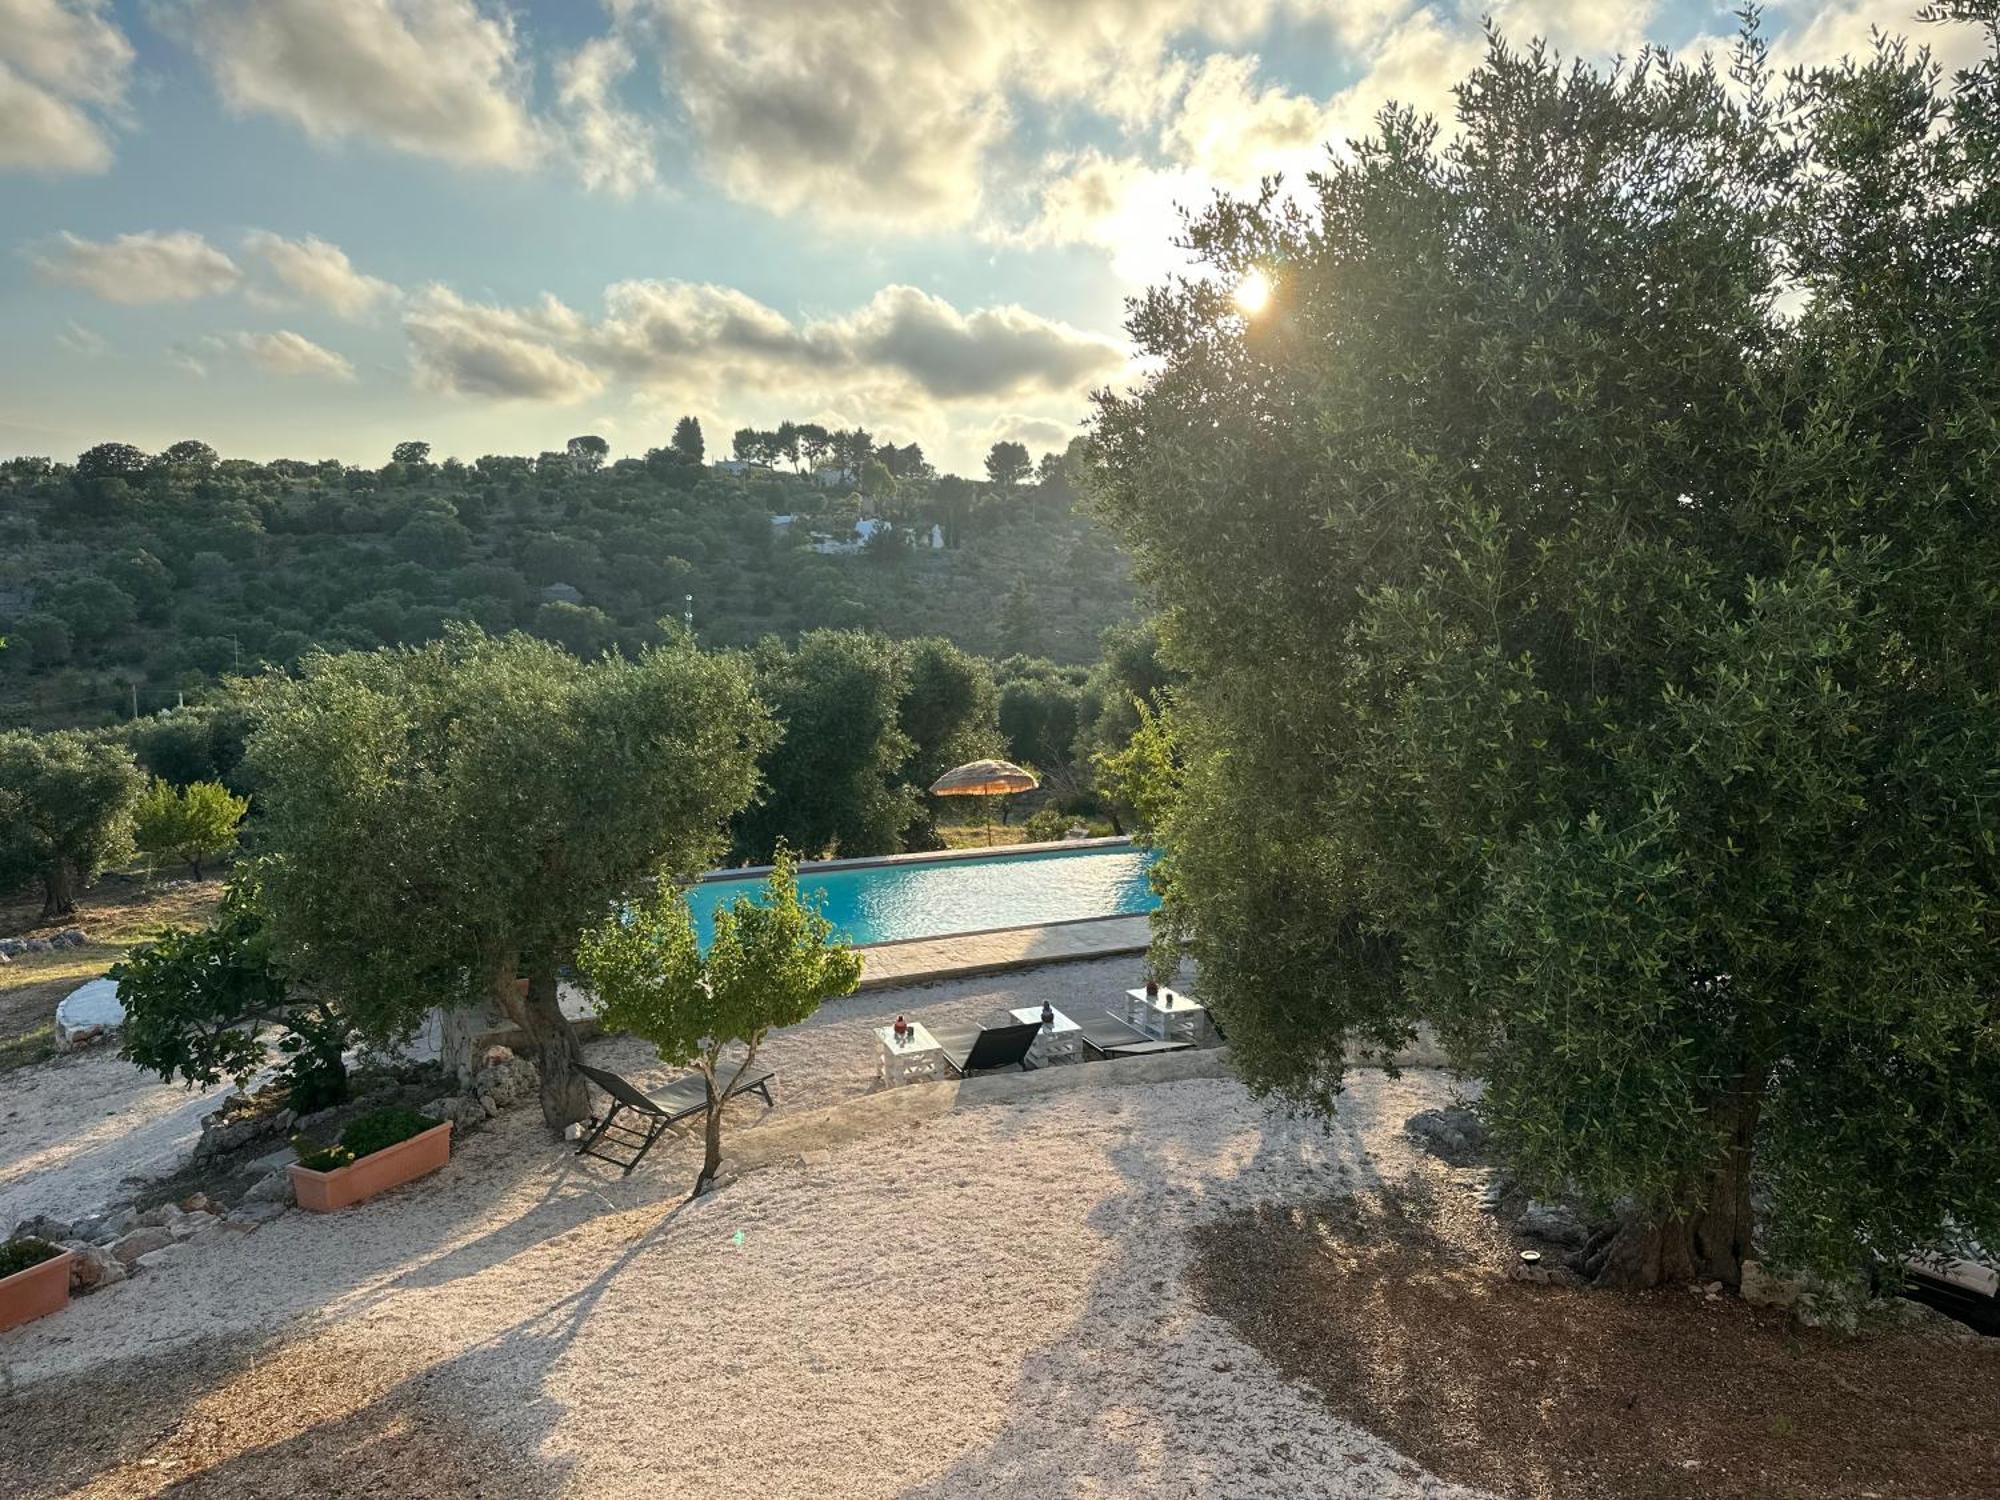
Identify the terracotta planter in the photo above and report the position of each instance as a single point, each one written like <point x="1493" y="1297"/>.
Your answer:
<point x="35" y="1292"/>
<point x="324" y="1192"/>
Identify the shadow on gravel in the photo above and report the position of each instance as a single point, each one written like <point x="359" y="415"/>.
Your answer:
<point x="250" y="1418"/>
<point x="1392" y="1305"/>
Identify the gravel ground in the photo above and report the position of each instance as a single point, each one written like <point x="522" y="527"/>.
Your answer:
<point x="997" y="1298"/>
<point x="1394" y="1305"/>
<point x="74" y="1128"/>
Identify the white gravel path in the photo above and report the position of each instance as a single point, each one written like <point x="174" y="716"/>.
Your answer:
<point x="73" y="1129"/>
<point x="992" y="1301"/>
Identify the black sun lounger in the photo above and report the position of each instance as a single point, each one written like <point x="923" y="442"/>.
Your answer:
<point x="1107" y="1036"/>
<point x="683" y="1099"/>
<point x="979" y="1049"/>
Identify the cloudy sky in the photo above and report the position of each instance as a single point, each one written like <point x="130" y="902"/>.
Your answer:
<point x="315" y="227"/>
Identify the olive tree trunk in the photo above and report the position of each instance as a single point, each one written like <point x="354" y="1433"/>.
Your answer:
<point x="1710" y="1238"/>
<point x="58" y="890"/>
<point x="552" y="1045"/>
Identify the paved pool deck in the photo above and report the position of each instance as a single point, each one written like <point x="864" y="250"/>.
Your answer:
<point x="924" y="960"/>
<point x="887" y="965"/>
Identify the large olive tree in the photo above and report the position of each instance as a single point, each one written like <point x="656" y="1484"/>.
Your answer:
<point x="442" y="822"/>
<point x="66" y="801"/>
<point x="1587" y="566"/>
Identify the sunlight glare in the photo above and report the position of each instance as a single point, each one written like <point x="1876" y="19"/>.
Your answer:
<point x="1253" y="292"/>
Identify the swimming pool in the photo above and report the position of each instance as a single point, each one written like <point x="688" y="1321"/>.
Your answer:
<point x="903" y="899"/>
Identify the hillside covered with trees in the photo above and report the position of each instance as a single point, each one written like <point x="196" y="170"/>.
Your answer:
<point x="129" y="580"/>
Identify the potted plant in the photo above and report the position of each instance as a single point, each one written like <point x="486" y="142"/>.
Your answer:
<point x="382" y="1149"/>
<point x="34" y="1280"/>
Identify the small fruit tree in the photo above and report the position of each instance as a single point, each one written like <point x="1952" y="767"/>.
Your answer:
<point x="186" y="825"/>
<point x="772" y="963"/>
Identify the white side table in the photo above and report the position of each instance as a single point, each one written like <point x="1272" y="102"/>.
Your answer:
<point x="917" y="1056"/>
<point x="1169" y="1016"/>
<point x="1060" y="1042"/>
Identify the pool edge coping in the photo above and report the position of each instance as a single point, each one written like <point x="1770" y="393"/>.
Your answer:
<point x="928" y="856"/>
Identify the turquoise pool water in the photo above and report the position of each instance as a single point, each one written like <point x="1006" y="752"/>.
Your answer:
<point x="929" y="898"/>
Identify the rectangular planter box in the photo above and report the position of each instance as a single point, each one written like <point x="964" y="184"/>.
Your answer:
<point x="324" y="1192"/>
<point x="35" y="1292"/>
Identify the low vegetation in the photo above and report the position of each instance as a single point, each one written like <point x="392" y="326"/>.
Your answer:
<point x="18" y="1255"/>
<point x="365" y="1135"/>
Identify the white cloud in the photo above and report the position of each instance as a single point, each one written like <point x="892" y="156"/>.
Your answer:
<point x="1226" y="129"/>
<point x="154" y="266"/>
<point x="64" y="68"/>
<point x="1824" y="32"/>
<point x="612" y="146"/>
<point x="889" y="112"/>
<point x="439" y="78"/>
<point x="319" y="272"/>
<point x="472" y="349"/>
<point x="82" y="341"/>
<point x="656" y="330"/>
<point x="904" y="354"/>
<point x="1040" y="433"/>
<point x="1595" y="28"/>
<point x="287" y="353"/>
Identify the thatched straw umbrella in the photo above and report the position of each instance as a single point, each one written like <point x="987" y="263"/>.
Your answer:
<point x="984" y="778"/>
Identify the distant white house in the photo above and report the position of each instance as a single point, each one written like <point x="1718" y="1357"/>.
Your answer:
<point x="781" y="522"/>
<point x="835" y="477"/>
<point x="739" y="467"/>
<point x="864" y="532"/>
<point x="562" y="593"/>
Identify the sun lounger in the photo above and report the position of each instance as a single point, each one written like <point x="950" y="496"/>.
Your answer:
<point x="1107" y="1036"/>
<point x="683" y="1099"/>
<point x="980" y="1049"/>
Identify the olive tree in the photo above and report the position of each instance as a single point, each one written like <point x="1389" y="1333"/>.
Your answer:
<point x="1584" y="566"/>
<point x="833" y="782"/>
<point x="442" y="822"/>
<point x="66" y="802"/>
<point x="771" y="963"/>
<point x="187" y="824"/>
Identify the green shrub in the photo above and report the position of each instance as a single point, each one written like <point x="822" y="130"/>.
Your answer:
<point x="1047" y="826"/>
<point x="377" y="1130"/>
<point x="18" y="1255"/>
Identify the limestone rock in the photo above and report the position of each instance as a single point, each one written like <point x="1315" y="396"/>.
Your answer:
<point x="272" y="1161"/>
<point x="182" y="1225"/>
<point x="102" y="1229"/>
<point x="1761" y="1289"/>
<point x="130" y="1249"/>
<point x="317" y="1120"/>
<point x="152" y="1260"/>
<point x="1553" y="1224"/>
<point x="1455" y="1135"/>
<point x="273" y="1187"/>
<point x="42" y="1227"/>
<point x="255" y="1215"/>
<point x="94" y="1267"/>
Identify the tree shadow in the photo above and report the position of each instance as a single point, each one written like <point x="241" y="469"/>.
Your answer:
<point x="1144" y="1370"/>
<point x="317" y="1415"/>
